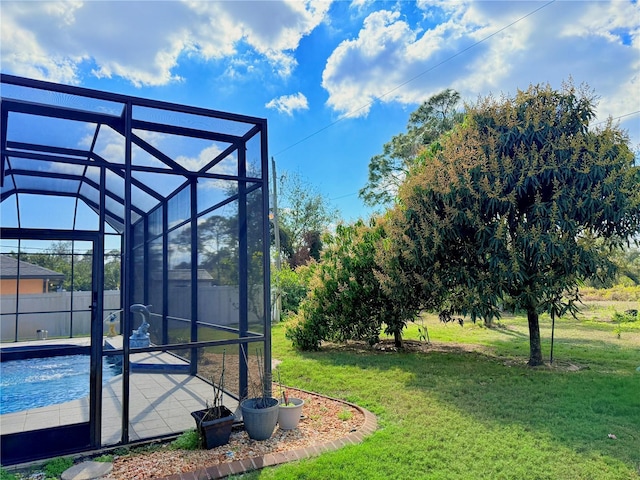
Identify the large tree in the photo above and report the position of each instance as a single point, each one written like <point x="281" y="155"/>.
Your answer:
<point x="518" y="204"/>
<point x="437" y="115"/>
<point x="304" y="214"/>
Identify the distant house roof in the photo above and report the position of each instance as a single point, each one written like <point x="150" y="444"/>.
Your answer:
<point x="184" y="274"/>
<point x="9" y="269"/>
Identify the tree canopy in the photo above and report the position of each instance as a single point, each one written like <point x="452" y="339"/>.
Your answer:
<point x="518" y="203"/>
<point x="61" y="258"/>
<point x="304" y="215"/>
<point x="387" y="171"/>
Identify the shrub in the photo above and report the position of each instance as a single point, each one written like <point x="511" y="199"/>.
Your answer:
<point x="626" y="317"/>
<point x="305" y="335"/>
<point x="346" y="300"/>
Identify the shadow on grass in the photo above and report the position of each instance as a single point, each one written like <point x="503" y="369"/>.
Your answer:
<point x="604" y="355"/>
<point x="505" y="330"/>
<point x="576" y="409"/>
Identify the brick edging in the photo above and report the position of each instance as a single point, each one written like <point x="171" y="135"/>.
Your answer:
<point x="270" y="459"/>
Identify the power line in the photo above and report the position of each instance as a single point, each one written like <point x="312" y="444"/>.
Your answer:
<point x="618" y="117"/>
<point x="344" y="196"/>
<point x="464" y="50"/>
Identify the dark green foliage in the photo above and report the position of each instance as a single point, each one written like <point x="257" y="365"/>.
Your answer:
<point x="388" y="170"/>
<point x="286" y="247"/>
<point x="346" y="300"/>
<point x="520" y="204"/>
<point x="627" y="269"/>
<point x="217" y="239"/>
<point x="306" y="335"/>
<point x="60" y="258"/>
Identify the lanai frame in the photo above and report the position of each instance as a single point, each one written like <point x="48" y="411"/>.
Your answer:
<point x="179" y="167"/>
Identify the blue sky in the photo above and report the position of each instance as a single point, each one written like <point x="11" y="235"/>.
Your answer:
<point x="336" y="80"/>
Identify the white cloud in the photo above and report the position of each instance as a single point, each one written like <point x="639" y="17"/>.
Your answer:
<point x="274" y="29"/>
<point x="194" y="164"/>
<point x="465" y="46"/>
<point x="364" y="68"/>
<point x="612" y="32"/>
<point x="143" y="41"/>
<point x="21" y="51"/>
<point x="110" y="144"/>
<point x="608" y="20"/>
<point x="361" y="5"/>
<point x="289" y="103"/>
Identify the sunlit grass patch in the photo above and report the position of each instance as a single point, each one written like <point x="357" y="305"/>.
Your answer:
<point x="477" y="411"/>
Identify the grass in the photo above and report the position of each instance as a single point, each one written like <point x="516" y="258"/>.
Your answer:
<point x="344" y="415"/>
<point x="54" y="468"/>
<point x="189" y="440"/>
<point x="478" y="412"/>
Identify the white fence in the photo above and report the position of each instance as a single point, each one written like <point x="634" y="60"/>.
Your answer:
<point x="50" y="311"/>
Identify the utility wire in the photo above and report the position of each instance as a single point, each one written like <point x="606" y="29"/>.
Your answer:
<point x="618" y="117"/>
<point x="344" y="196"/>
<point x="457" y="54"/>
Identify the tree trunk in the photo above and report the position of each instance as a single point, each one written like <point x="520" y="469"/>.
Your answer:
<point x="397" y="339"/>
<point x="535" y="348"/>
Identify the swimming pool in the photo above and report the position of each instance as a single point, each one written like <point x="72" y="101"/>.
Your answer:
<point x="39" y="382"/>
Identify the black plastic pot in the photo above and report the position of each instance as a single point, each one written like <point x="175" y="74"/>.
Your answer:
<point x="214" y="425"/>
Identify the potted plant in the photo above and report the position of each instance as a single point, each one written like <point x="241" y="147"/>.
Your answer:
<point x="215" y="421"/>
<point x="289" y="409"/>
<point x="260" y="413"/>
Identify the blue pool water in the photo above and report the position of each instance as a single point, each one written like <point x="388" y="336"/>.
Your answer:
<point x="38" y="382"/>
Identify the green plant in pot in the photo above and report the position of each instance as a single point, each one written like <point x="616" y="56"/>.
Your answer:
<point x="289" y="409"/>
<point x="260" y="413"/>
<point x="214" y="422"/>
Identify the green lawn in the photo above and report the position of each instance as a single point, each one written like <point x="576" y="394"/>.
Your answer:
<point x="478" y="412"/>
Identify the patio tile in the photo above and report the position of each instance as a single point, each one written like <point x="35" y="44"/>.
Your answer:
<point x="36" y="422"/>
<point x="168" y="405"/>
<point x="152" y="432"/>
<point x="159" y="404"/>
<point x="180" y="424"/>
<point x="12" y="422"/>
<point x="151" y="423"/>
<point x="67" y="417"/>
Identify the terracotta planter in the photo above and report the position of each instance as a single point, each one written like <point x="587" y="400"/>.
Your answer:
<point x="214" y="429"/>
<point x="260" y="422"/>
<point x="289" y="415"/>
